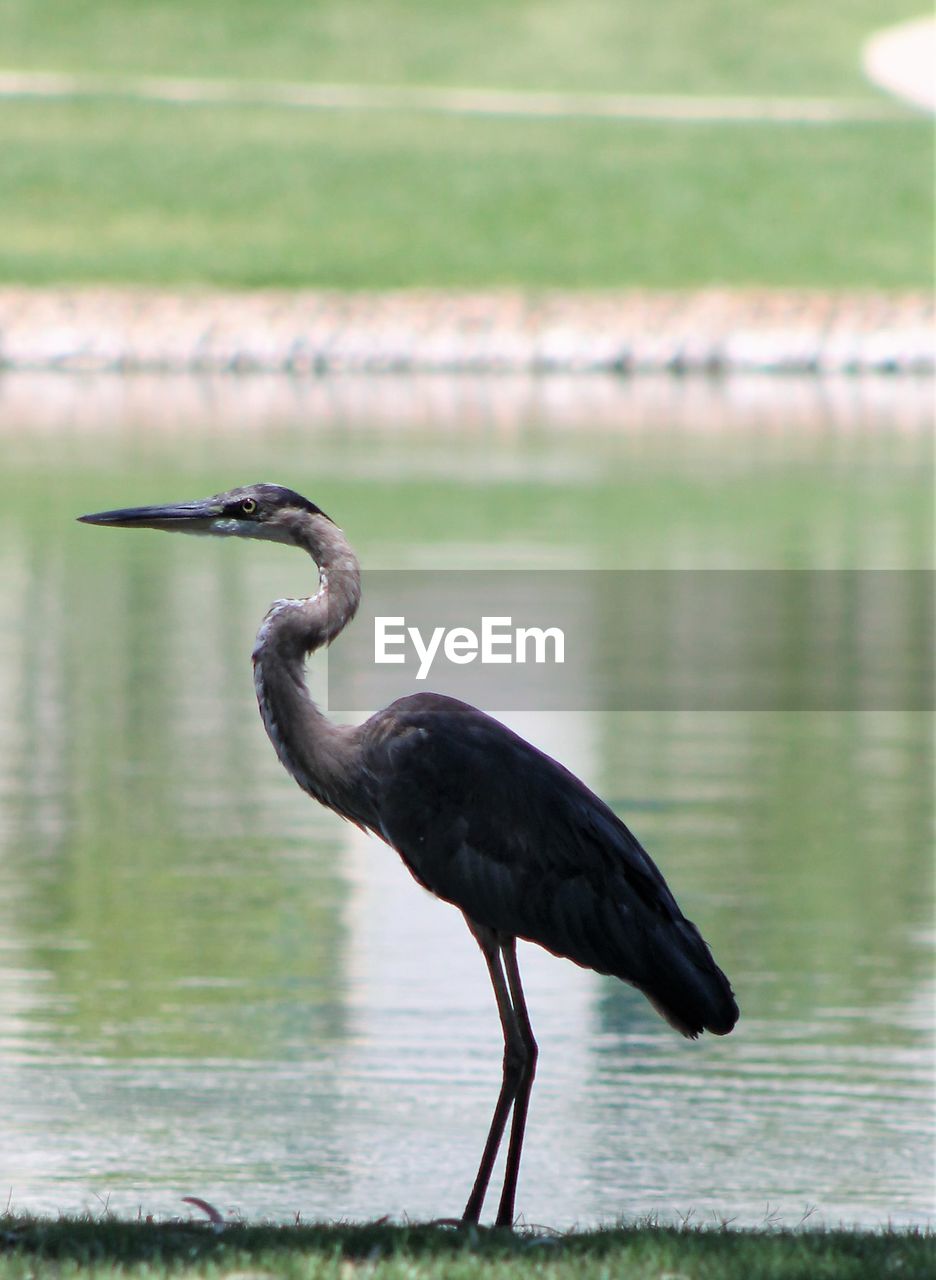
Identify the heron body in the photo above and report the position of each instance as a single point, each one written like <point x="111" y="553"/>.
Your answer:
<point x="480" y="817"/>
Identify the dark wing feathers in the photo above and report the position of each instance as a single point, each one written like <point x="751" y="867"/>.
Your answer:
<point x="486" y="821"/>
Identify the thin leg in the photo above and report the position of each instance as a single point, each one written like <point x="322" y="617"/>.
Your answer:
<point x="505" y="1212"/>
<point x="514" y="1053"/>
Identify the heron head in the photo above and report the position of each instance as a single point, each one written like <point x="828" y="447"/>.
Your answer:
<point x="263" y="511"/>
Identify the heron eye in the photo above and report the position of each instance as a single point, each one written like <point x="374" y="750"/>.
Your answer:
<point x="248" y="506"/>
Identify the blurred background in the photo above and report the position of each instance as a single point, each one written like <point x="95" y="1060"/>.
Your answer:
<point x="102" y="184"/>
<point x="212" y="987"/>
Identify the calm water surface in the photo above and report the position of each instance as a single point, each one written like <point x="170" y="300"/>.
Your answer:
<point x="213" y="987"/>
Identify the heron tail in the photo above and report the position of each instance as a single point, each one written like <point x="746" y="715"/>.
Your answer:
<point x="691" y="992"/>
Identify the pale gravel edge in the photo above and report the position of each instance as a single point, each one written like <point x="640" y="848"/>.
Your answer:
<point x="503" y="331"/>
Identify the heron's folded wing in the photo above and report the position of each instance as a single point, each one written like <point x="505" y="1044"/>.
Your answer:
<point x="486" y="821"/>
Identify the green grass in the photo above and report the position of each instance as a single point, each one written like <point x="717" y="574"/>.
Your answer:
<point x="108" y="191"/>
<point x="109" y="1249"/>
<point x="689" y="46"/>
<point x="98" y="192"/>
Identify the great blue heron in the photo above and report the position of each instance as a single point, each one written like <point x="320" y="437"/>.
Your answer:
<point x="481" y="818"/>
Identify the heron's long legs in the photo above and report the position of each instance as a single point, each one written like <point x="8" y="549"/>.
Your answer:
<point x="519" y="1063"/>
<point x="505" y="1212"/>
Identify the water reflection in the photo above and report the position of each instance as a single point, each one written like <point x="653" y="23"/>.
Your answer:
<point x="213" y="987"/>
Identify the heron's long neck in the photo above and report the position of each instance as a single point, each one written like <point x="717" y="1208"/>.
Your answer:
<point x="321" y="756"/>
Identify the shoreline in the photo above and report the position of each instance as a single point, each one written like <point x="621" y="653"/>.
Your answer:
<point x="507" y="408"/>
<point x="706" y="331"/>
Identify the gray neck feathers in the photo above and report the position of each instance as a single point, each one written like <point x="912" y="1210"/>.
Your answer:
<point x="321" y="756"/>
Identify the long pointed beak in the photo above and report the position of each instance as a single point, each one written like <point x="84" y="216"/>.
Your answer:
<point x="180" y="517"/>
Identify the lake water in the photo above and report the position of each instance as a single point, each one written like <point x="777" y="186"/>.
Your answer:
<point x="213" y="987"/>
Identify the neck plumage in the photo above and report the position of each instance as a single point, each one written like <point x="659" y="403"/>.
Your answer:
<point x="321" y="756"/>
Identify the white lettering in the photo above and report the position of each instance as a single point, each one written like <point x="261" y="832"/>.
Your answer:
<point x="500" y="642"/>
<point x="490" y="637"/>
<point x="539" y="638"/>
<point x="383" y="637"/>
<point x="425" y="653"/>
<point x="461" y="645"/>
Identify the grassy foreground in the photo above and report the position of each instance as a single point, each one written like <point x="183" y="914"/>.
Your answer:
<point x="103" y="1249"/>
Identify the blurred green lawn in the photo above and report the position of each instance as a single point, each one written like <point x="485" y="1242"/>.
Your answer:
<point x="671" y="46"/>
<point x="113" y="191"/>
<point x="254" y="197"/>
